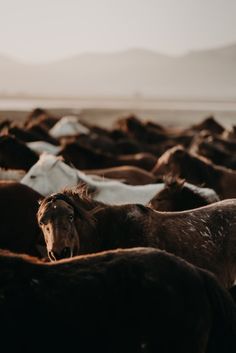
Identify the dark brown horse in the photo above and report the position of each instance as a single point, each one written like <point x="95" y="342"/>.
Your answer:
<point x="14" y="154"/>
<point x="232" y="292"/>
<point x="75" y="224"/>
<point x="209" y="124"/>
<point x="128" y="301"/>
<point x="180" y="196"/>
<point x="153" y="137"/>
<point x="140" y="131"/>
<point x="196" y="170"/>
<point x="84" y="157"/>
<point x="36" y="132"/>
<point x="127" y="174"/>
<point x="19" y="230"/>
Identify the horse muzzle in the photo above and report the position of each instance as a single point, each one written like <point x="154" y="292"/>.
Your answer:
<point x="65" y="253"/>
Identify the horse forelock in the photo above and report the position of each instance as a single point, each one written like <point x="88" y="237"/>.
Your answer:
<point x="56" y="197"/>
<point x="82" y="190"/>
<point x="71" y="196"/>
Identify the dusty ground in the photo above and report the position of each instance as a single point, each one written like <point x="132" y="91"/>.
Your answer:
<point x="106" y="117"/>
<point x="105" y="112"/>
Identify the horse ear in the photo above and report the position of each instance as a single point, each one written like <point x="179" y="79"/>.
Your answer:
<point x="172" y="181"/>
<point x="180" y="181"/>
<point x="40" y="201"/>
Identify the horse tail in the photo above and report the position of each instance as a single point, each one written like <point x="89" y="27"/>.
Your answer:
<point x="222" y="336"/>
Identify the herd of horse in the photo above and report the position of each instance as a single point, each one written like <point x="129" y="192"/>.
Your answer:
<point x="117" y="240"/>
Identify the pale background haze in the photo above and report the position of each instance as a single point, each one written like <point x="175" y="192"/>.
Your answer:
<point x="46" y="30"/>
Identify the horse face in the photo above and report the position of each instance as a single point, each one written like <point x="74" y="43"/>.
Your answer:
<point x="38" y="180"/>
<point x="57" y="221"/>
<point x="50" y="175"/>
<point x="162" y="201"/>
<point x="167" y="164"/>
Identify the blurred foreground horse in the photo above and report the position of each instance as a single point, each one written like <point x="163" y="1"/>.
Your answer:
<point x="126" y="301"/>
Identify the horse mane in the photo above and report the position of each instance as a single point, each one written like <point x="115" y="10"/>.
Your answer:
<point x="79" y="199"/>
<point x="82" y="192"/>
<point x="59" y="196"/>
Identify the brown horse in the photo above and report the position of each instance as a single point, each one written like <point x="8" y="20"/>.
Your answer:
<point x="75" y="224"/>
<point x="180" y="196"/>
<point x="40" y="117"/>
<point x="127" y="301"/>
<point x="230" y="135"/>
<point x="127" y="174"/>
<point x="19" y="230"/>
<point x="196" y="170"/>
<point x="218" y="150"/>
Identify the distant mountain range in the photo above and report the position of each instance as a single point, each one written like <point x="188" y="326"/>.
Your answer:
<point x="135" y="72"/>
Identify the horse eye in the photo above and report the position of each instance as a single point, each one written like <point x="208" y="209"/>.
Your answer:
<point x="71" y="217"/>
<point x="41" y="223"/>
<point x="32" y="176"/>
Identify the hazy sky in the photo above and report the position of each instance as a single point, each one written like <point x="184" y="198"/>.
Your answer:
<point x="45" y="30"/>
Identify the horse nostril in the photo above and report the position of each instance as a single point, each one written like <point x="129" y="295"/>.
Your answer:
<point x="52" y="256"/>
<point x="66" y="252"/>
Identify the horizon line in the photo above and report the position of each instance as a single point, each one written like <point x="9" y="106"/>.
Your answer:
<point x="19" y="60"/>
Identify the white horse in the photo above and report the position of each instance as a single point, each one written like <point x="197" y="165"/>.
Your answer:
<point x="43" y="146"/>
<point x="68" y="126"/>
<point x="50" y="174"/>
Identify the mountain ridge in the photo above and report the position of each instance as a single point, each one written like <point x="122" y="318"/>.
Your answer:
<point x="209" y="72"/>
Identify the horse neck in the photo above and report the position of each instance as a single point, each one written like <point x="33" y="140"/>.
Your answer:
<point x="125" y="226"/>
<point x="92" y="232"/>
<point x="65" y="171"/>
<point x="86" y="203"/>
<point x="207" y="173"/>
<point x="192" y="198"/>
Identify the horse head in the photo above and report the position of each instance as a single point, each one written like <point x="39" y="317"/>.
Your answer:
<point x="178" y="195"/>
<point x="50" y="174"/>
<point x="63" y="221"/>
